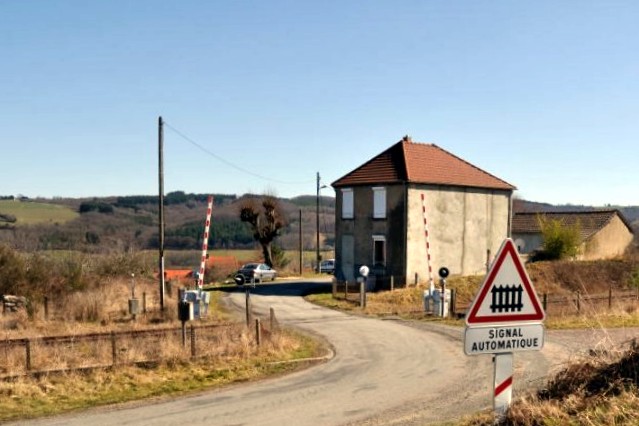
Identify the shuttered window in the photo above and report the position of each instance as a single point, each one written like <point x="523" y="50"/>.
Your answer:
<point x="379" y="202"/>
<point x="347" y="203"/>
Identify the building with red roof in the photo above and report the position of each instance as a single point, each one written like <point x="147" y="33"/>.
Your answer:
<point x="381" y="220"/>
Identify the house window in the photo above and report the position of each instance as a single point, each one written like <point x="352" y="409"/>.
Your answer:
<point x="347" y="203"/>
<point x="379" y="250"/>
<point x="379" y="203"/>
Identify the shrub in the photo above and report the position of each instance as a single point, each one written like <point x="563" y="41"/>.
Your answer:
<point x="12" y="271"/>
<point x="560" y="241"/>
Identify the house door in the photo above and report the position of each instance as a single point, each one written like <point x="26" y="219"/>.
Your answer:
<point x="348" y="257"/>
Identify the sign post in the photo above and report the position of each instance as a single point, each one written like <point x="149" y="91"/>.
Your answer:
<point x="506" y="316"/>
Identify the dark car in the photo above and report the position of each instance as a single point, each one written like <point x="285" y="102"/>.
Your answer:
<point x="257" y="272"/>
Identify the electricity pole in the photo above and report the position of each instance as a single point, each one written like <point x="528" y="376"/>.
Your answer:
<point x="317" y="244"/>
<point x="161" y="207"/>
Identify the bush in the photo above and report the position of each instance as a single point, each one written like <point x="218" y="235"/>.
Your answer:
<point x="12" y="271"/>
<point x="560" y="241"/>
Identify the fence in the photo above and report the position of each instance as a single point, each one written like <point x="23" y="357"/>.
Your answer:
<point x="54" y="354"/>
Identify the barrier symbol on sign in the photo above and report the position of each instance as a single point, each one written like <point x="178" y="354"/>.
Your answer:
<point x="506" y="298"/>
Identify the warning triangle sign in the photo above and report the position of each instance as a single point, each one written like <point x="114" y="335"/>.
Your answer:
<point x="506" y="295"/>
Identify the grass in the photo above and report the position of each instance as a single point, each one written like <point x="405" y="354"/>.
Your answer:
<point x="55" y="394"/>
<point x="232" y="356"/>
<point x="30" y="213"/>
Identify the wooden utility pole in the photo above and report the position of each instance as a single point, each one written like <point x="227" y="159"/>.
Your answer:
<point x="161" y="207"/>
<point x="301" y="242"/>
<point x="317" y="242"/>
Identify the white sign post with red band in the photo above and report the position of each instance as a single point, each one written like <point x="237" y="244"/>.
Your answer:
<point x="506" y="316"/>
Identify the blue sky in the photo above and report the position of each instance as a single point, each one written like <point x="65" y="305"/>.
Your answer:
<point x="542" y="94"/>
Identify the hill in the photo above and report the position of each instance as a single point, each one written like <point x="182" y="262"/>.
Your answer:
<point x="26" y="212"/>
<point x="131" y="223"/>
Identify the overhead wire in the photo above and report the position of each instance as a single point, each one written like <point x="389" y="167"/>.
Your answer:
<point x="231" y="164"/>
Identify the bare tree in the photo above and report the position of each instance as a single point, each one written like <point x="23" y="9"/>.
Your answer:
<point x="265" y="223"/>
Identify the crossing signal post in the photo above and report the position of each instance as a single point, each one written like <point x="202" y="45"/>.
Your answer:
<point x="505" y="317"/>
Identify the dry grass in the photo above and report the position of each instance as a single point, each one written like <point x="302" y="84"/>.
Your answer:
<point x="243" y="361"/>
<point x="602" y="390"/>
<point x="225" y="354"/>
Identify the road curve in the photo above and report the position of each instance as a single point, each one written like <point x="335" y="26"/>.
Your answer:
<point x="382" y="372"/>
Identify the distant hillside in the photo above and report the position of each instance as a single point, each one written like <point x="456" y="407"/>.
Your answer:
<point x="131" y="222"/>
<point x="26" y="212"/>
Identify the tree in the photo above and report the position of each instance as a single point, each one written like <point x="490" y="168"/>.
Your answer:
<point x="560" y="240"/>
<point x="265" y="224"/>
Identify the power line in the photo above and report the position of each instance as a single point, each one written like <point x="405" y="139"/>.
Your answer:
<point x="231" y="164"/>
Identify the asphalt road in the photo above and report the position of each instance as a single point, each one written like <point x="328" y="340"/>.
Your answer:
<point x="381" y="372"/>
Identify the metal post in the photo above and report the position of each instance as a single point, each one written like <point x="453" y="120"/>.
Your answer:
<point x="392" y="283"/>
<point x="144" y="302"/>
<point x="46" y="308"/>
<point x="362" y="293"/>
<point x="502" y="384"/>
<point x="545" y="302"/>
<point x="452" y="309"/>
<point x="334" y="287"/>
<point x="184" y="334"/>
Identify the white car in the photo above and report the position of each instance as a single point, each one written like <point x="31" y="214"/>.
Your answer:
<point x="327" y="266"/>
<point x="257" y="271"/>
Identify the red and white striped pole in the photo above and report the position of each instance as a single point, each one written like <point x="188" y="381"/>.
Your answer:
<point x="430" y="267"/>
<point x="205" y="242"/>
<point x="503" y="383"/>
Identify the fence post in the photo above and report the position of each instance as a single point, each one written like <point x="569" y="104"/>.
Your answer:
<point x="46" y="308"/>
<point x="258" y="331"/>
<point x="248" y="307"/>
<point x="272" y="319"/>
<point x="453" y="303"/>
<point x="610" y="297"/>
<point x="192" y="341"/>
<point x="578" y="301"/>
<point x="27" y="350"/>
<point x="392" y="283"/>
<point x="114" y="352"/>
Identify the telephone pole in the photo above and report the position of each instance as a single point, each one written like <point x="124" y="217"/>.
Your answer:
<point x="161" y="208"/>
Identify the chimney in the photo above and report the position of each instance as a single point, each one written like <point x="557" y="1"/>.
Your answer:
<point x="407" y="138"/>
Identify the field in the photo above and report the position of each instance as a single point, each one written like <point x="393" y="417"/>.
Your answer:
<point x="30" y="213"/>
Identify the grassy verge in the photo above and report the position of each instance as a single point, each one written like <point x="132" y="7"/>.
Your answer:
<point x="55" y="394"/>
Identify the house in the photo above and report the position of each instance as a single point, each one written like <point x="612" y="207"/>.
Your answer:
<point x="382" y="222"/>
<point x="604" y="233"/>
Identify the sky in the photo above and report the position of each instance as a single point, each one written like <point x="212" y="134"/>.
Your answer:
<point x="259" y="96"/>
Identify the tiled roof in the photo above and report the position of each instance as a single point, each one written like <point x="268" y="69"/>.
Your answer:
<point x="590" y="222"/>
<point x="413" y="162"/>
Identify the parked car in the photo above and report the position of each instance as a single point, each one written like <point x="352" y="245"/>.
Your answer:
<point x="257" y="271"/>
<point x="327" y="266"/>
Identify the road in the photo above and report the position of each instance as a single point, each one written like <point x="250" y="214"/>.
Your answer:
<point x="382" y="372"/>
